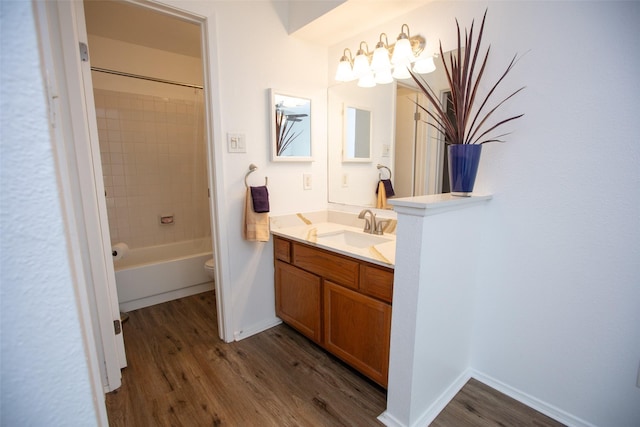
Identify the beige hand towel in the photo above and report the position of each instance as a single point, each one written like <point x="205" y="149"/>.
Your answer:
<point x="256" y="225"/>
<point x="382" y="197"/>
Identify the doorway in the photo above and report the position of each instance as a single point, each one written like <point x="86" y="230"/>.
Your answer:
<point x="150" y="121"/>
<point x="148" y="95"/>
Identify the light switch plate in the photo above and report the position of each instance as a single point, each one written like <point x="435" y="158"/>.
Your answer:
<point x="306" y="181"/>
<point x="236" y="143"/>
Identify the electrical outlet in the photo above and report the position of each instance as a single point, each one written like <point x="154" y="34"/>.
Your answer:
<point x="306" y="181"/>
<point x="386" y="150"/>
<point x="345" y="180"/>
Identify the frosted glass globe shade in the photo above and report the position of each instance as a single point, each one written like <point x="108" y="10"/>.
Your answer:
<point x="424" y="65"/>
<point x="402" y="52"/>
<point x="344" y="73"/>
<point x="401" y="71"/>
<point x="367" y="80"/>
<point x="380" y="60"/>
<point x="383" y="77"/>
<point x="360" y="66"/>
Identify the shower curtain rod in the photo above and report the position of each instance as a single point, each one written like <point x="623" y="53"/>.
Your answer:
<point x="137" y="76"/>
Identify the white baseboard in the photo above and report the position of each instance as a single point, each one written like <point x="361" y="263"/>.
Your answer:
<point x="532" y="402"/>
<point x="389" y="420"/>
<point x="443" y="400"/>
<point x="436" y="407"/>
<point x="256" y="329"/>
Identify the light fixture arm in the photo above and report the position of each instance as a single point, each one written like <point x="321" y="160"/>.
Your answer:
<point x="363" y="51"/>
<point x="345" y="57"/>
<point x="384" y="43"/>
<point x="402" y="35"/>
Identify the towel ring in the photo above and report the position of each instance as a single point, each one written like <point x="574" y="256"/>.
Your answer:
<point x="380" y="173"/>
<point x="252" y="168"/>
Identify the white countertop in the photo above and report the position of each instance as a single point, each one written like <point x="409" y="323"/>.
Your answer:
<point x="435" y="203"/>
<point x="383" y="254"/>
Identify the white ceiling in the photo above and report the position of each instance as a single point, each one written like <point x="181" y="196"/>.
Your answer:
<point x="126" y="22"/>
<point x="142" y="26"/>
<point x="353" y="17"/>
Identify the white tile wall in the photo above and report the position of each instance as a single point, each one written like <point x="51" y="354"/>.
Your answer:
<point x="154" y="163"/>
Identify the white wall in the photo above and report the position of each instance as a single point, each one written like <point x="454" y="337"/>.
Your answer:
<point x="556" y="317"/>
<point x="45" y="374"/>
<point x="431" y="333"/>
<point x="251" y="54"/>
<point x="135" y="59"/>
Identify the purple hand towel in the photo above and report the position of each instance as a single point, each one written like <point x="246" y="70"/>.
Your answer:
<point x="388" y="188"/>
<point x="260" y="197"/>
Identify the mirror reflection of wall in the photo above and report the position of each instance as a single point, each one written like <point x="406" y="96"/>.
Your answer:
<point x="417" y="150"/>
<point x="357" y="135"/>
<point x="354" y="181"/>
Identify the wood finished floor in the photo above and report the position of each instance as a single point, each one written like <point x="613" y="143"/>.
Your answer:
<point x="181" y="374"/>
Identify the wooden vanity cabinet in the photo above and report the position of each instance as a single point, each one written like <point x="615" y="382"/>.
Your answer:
<point x="341" y="303"/>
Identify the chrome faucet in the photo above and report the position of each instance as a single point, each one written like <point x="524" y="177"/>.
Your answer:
<point x="369" y="226"/>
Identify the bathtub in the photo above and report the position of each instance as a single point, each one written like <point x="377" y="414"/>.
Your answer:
<point x="157" y="274"/>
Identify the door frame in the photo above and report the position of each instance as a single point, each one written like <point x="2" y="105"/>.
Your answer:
<point x="70" y="96"/>
<point x="215" y="155"/>
<point x="75" y="164"/>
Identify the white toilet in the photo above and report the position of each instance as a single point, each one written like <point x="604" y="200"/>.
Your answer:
<point x="210" y="268"/>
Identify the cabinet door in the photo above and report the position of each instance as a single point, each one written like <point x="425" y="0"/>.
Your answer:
<point x="357" y="329"/>
<point x="298" y="300"/>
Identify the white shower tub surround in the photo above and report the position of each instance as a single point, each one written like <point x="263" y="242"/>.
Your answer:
<point x="157" y="274"/>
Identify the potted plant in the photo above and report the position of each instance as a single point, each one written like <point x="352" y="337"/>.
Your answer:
<point x="467" y="122"/>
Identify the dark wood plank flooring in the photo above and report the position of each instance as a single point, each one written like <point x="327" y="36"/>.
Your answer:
<point x="181" y="374"/>
<point x="478" y="405"/>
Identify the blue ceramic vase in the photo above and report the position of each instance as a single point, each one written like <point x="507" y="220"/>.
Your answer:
<point x="463" y="167"/>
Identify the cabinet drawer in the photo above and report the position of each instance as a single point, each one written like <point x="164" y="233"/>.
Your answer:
<point x="333" y="267"/>
<point x="282" y="249"/>
<point x="376" y="282"/>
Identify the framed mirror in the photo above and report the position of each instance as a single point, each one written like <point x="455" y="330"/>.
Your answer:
<point x="290" y="127"/>
<point x="413" y="150"/>
<point x="357" y="134"/>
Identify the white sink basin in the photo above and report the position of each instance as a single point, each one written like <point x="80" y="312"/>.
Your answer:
<point x="351" y="238"/>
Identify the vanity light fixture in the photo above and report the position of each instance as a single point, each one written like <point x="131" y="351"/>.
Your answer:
<point x="387" y="61"/>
